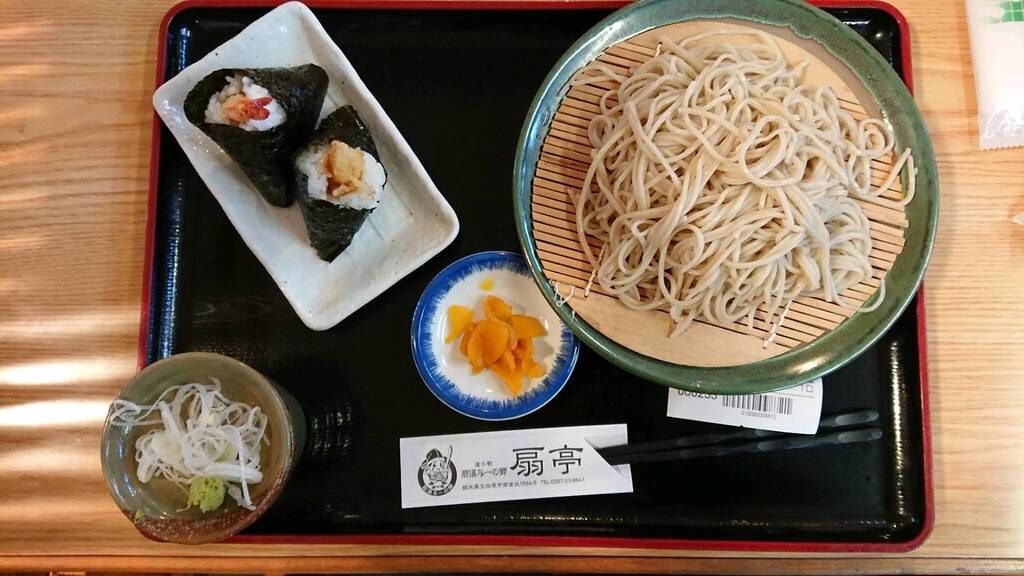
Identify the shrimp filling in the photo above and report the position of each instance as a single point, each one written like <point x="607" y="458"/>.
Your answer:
<point x="342" y="175"/>
<point x="245" y="104"/>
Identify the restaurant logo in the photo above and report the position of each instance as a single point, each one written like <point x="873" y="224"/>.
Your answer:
<point x="437" y="474"/>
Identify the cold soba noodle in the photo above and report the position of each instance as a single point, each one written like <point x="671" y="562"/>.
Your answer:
<point x="721" y="182"/>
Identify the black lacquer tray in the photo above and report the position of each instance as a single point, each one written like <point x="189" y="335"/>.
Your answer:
<point x="457" y="79"/>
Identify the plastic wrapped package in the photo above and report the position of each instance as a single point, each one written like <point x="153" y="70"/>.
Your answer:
<point x="997" y="46"/>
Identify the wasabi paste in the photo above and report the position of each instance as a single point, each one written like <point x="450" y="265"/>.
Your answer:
<point x="206" y="492"/>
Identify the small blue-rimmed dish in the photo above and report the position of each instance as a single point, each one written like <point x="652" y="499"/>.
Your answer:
<point x="446" y="371"/>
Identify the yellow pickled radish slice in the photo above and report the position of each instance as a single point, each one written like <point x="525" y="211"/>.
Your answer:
<point x="459" y="317"/>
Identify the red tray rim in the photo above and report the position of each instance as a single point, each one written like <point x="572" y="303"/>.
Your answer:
<point x="545" y="541"/>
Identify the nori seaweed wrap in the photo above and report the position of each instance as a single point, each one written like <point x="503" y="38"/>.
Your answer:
<point x="279" y="108"/>
<point x="339" y="181"/>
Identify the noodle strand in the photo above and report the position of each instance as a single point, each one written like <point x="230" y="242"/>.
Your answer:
<point x="721" y="184"/>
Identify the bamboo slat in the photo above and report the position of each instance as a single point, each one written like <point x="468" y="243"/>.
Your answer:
<point x="560" y="174"/>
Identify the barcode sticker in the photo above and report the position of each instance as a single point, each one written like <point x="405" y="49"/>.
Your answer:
<point x="765" y="403"/>
<point x="795" y="410"/>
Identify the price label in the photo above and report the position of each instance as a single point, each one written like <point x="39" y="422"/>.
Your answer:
<point x="795" y="410"/>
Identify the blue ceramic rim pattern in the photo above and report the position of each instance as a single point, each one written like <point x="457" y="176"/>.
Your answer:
<point x="444" y="388"/>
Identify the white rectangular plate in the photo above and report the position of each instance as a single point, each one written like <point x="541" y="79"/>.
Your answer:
<point x="412" y="223"/>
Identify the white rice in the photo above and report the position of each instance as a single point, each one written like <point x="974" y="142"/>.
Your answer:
<point x="252" y="91"/>
<point x="366" y="197"/>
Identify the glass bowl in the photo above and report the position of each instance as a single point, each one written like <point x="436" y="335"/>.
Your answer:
<point x="158" y="508"/>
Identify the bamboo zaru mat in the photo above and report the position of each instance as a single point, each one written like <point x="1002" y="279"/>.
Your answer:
<point x="563" y="164"/>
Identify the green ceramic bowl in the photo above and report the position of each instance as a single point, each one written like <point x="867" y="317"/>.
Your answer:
<point x="156" y="507"/>
<point x="853" y="336"/>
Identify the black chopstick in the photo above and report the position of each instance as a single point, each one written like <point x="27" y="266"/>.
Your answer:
<point x="790" y="442"/>
<point x="857" y="418"/>
<point x="627" y="453"/>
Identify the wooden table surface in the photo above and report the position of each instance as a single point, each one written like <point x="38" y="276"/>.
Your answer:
<point x="75" y="122"/>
